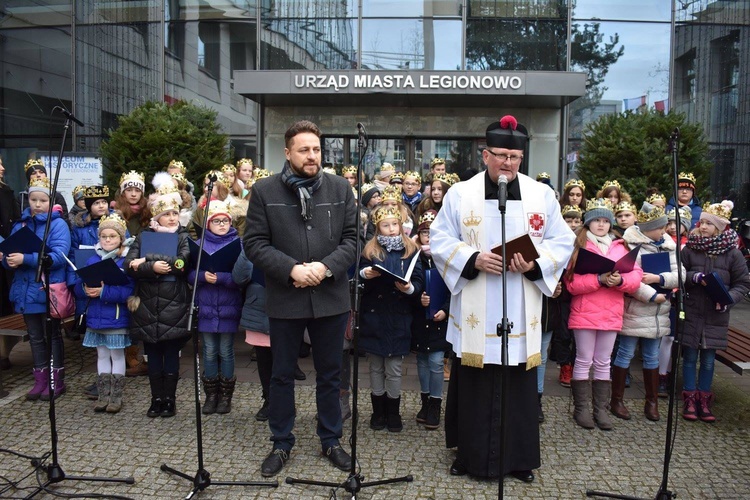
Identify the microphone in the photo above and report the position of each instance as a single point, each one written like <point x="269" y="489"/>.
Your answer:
<point x="213" y="177"/>
<point x="362" y="143"/>
<point x="70" y="116"/>
<point x="502" y="192"/>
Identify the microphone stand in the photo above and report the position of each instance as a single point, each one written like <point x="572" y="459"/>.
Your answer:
<point x="664" y="493"/>
<point x="503" y="330"/>
<point x="202" y="478"/>
<point x="54" y="471"/>
<point x="355" y="482"/>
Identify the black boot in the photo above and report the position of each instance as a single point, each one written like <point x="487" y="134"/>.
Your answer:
<point x="211" y="388"/>
<point x="422" y="413"/>
<point x="226" y="391"/>
<point x="433" y="414"/>
<point x="377" y="420"/>
<point x="168" y="408"/>
<point x="156" y="382"/>
<point x="541" y="411"/>
<point x="393" y="414"/>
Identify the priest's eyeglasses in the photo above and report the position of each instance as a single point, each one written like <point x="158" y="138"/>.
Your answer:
<point x="505" y="157"/>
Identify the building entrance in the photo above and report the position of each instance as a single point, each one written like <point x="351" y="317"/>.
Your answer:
<point x="404" y="153"/>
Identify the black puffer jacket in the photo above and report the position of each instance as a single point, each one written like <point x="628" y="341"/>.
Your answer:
<point x="705" y="327"/>
<point x="162" y="313"/>
<point x="428" y="335"/>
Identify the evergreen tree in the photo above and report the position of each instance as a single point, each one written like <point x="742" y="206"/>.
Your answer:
<point x="155" y="133"/>
<point x="633" y="149"/>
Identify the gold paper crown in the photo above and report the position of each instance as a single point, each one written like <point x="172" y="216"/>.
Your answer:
<point x="599" y="203"/>
<point x="113" y="218"/>
<point x="397" y="177"/>
<point x="472" y="220"/>
<point x="40" y="184"/>
<point x="179" y="177"/>
<point x="262" y="173"/>
<point x="655" y="213"/>
<point x="178" y="164"/>
<point x="723" y="209"/>
<point x="391" y="192"/>
<point x="351" y="169"/>
<point x="34" y="162"/>
<point x="685" y="213"/>
<point x="229" y="168"/>
<point x="625" y="206"/>
<point x="165" y="204"/>
<point x="383" y="213"/>
<point x="455" y="177"/>
<point x="78" y="190"/>
<point x="686" y="175"/>
<point x="329" y="170"/>
<point x="387" y="167"/>
<point x="542" y="175"/>
<point x="167" y="188"/>
<point x="218" y="207"/>
<point x="133" y="177"/>
<point x="96" y="192"/>
<point x="656" y="197"/>
<point x="411" y="173"/>
<point x="219" y="177"/>
<point x="244" y="160"/>
<point x="428" y="216"/>
<point x="366" y="187"/>
<point x="437" y="161"/>
<point x="569" y="209"/>
<point x="575" y="183"/>
<point x="446" y="178"/>
<point x="611" y="184"/>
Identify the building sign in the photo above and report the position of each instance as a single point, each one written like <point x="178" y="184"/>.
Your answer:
<point x="74" y="171"/>
<point x="400" y="80"/>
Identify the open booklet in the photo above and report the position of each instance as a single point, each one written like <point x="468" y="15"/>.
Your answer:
<point x="592" y="263"/>
<point x="403" y="273"/>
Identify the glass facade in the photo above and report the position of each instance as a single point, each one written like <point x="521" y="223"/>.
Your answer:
<point x="101" y="59"/>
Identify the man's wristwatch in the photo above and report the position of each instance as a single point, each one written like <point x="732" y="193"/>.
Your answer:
<point x="329" y="273"/>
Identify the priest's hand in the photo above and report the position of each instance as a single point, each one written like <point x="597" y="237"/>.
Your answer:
<point x="519" y="265"/>
<point x="489" y="263"/>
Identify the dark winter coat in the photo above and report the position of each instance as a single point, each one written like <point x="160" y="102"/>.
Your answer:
<point x="705" y="327"/>
<point x="220" y="303"/>
<point x="9" y="211"/>
<point x="109" y="310"/>
<point x="162" y="313"/>
<point x="695" y="209"/>
<point x="254" y="317"/>
<point x="277" y="238"/>
<point x="386" y="312"/>
<point x="27" y="295"/>
<point x="428" y="335"/>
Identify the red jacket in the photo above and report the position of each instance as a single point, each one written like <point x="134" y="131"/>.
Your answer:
<point x="596" y="307"/>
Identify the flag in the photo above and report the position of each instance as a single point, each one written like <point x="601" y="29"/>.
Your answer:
<point x="634" y="103"/>
<point x="662" y="106"/>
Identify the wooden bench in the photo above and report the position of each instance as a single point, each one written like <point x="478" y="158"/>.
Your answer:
<point x="12" y="331"/>
<point x="737" y="354"/>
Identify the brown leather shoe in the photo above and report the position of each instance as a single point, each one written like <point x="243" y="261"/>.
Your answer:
<point x="138" y="370"/>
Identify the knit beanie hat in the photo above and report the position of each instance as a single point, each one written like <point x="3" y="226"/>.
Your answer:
<point x="601" y="207"/>
<point x="686" y="217"/>
<point x="216" y="208"/>
<point x="368" y="191"/>
<point x="164" y="203"/>
<point x="651" y="217"/>
<point x="40" y="186"/>
<point x="32" y="166"/>
<point x="94" y="193"/>
<point x="718" y="214"/>
<point x="115" y="222"/>
<point x="426" y="219"/>
<point x="686" y="180"/>
<point x="132" y="179"/>
<point x="78" y="192"/>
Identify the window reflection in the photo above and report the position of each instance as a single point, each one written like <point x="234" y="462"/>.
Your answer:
<point x="413" y="8"/>
<point x="309" y="44"/>
<point x="636" y="10"/>
<point x="411" y="44"/>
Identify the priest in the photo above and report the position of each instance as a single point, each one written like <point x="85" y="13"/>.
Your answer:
<point x="462" y="236"/>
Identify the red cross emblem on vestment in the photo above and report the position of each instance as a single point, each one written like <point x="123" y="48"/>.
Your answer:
<point x="536" y="224"/>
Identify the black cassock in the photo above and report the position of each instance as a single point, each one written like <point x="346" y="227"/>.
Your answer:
<point x="472" y="418"/>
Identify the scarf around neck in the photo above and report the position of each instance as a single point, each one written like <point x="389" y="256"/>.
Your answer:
<point x="304" y="186"/>
<point x="411" y="200"/>
<point x="715" y="245"/>
<point x="391" y="243"/>
<point x="602" y="242"/>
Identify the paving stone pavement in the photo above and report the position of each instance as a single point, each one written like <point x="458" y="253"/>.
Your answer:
<point x="708" y="461"/>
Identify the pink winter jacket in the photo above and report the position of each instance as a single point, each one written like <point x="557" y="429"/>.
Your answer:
<point x="596" y="307"/>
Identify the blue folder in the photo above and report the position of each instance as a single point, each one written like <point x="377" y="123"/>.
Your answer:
<point x="717" y="290"/>
<point x="159" y="243"/>
<point x="103" y="271"/>
<point x="82" y="255"/>
<point x="435" y="288"/>
<point x="23" y="241"/>
<point x="221" y="261"/>
<point x="656" y="263"/>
